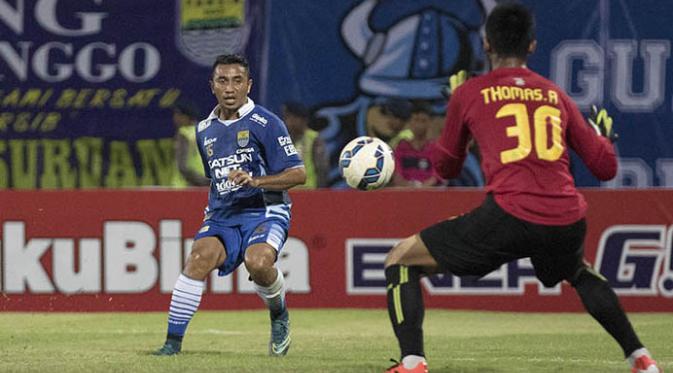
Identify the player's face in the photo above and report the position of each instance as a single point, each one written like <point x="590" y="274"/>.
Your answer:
<point x="420" y="123"/>
<point x="230" y="85"/>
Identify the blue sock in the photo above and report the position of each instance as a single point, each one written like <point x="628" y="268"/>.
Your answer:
<point x="184" y="303"/>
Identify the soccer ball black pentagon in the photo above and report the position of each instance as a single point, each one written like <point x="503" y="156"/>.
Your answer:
<point x="366" y="163"/>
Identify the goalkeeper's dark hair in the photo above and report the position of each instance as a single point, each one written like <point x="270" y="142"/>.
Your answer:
<point x="231" y="59"/>
<point x="510" y="28"/>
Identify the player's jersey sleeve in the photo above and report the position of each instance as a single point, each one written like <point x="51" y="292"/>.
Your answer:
<point x="596" y="151"/>
<point x="449" y="153"/>
<point x="199" y="145"/>
<point x="280" y="152"/>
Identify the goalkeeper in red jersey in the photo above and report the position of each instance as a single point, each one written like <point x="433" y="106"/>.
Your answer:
<point x="524" y="126"/>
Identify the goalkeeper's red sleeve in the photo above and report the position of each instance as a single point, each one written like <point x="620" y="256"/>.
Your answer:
<point x="451" y="148"/>
<point x="596" y="151"/>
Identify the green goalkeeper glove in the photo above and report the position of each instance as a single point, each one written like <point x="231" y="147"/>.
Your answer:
<point x="601" y="122"/>
<point x="455" y="81"/>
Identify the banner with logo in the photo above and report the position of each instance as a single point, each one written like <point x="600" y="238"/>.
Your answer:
<point x="123" y="250"/>
<point x="86" y="86"/>
<point x="611" y="53"/>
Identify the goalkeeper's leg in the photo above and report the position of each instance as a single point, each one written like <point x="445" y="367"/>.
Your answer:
<point x="602" y="303"/>
<point x="404" y="266"/>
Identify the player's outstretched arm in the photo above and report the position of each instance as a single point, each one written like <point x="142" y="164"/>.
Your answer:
<point x="282" y="181"/>
<point x="592" y="143"/>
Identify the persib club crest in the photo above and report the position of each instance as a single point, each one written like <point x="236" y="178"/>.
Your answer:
<point x="242" y="138"/>
<point x="206" y="29"/>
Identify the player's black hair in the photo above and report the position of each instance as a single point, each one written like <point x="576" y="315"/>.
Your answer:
<point x="510" y="28"/>
<point x="231" y="59"/>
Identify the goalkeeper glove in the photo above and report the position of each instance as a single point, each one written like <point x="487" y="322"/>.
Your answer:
<point x="455" y="81"/>
<point x="601" y="122"/>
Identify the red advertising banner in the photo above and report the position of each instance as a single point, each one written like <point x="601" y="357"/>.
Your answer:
<point x="122" y="250"/>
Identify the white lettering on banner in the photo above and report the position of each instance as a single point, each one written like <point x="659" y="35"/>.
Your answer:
<point x="631" y="258"/>
<point x="45" y="15"/>
<point x="665" y="171"/>
<point x="22" y="269"/>
<point x="59" y="61"/>
<point x="590" y="79"/>
<point x="88" y="279"/>
<point x="654" y="53"/>
<point x="622" y="53"/>
<point x="170" y="261"/>
<point x="129" y="264"/>
<point x="125" y="261"/>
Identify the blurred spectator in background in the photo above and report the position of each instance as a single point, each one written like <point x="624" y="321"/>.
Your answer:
<point x="412" y="156"/>
<point x="310" y="147"/>
<point x="387" y="120"/>
<point x="189" y="168"/>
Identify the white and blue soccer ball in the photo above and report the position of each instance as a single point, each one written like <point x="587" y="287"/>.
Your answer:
<point x="366" y="163"/>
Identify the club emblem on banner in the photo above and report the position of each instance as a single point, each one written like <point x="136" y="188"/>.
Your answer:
<point x="242" y="138"/>
<point x="206" y="29"/>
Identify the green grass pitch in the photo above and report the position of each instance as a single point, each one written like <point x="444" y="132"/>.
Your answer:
<point x="323" y="341"/>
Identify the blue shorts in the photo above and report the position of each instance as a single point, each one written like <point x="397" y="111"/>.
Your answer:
<point x="239" y="233"/>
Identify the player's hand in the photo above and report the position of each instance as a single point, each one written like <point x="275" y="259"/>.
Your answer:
<point x="601" y="122"/>
<point x="240" y="177"/>
<point x="455" y="81"/>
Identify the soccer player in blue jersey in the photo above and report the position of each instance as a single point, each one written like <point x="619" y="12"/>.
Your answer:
<point x="251" y="161"/>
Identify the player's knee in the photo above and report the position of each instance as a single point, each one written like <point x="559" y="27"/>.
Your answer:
<point x="204" y="254"/>
<point x="259" y="259"/>
<point x="398" y="252"/>
<point x="583" y="274"/>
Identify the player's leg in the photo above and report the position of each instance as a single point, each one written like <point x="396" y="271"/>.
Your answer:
<point x="562" y="259"/>
<point x="603" y="305"/>
<point x="269" y="280"/>
<point x="207" y="254"/>
<point x="472" y="244"/>
<point x="260" y="257"/>
<point x="403" y="268"/>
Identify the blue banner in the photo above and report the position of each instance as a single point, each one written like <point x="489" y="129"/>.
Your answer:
<point x="344" y="58"/>
<point x="86" y="87"/>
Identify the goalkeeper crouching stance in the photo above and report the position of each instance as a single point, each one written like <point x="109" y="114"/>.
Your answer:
<point x="524" y="125"/>
<point x="251" y="161"/>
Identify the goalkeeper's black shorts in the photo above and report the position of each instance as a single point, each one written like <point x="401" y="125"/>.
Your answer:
<point x="482" y="240"/>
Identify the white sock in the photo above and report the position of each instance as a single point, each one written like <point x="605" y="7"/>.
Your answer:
<point x="273" y="295"/>
<point x="636" y="354"/>
<point x="410" y="361"/>
<point x="184" y="303"/>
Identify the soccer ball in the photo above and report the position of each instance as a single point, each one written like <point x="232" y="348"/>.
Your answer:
<point x="366" y="163"/>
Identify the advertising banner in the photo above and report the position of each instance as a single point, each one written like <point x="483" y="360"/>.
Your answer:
<point x="615" y="54"/>
<point x="86" y="87"/>
<point x="123" y="250"/>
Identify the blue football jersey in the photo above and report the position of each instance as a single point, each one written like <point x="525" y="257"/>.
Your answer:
<point x="258" y="143"/>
